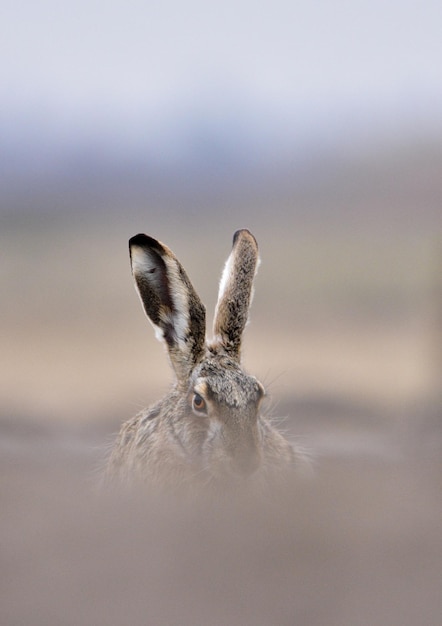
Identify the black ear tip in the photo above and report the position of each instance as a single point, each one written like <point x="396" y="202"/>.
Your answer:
<point x="137" y="240"/>
<point x="144" y="241"/>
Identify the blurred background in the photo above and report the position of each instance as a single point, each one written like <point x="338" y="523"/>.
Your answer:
<point x="318" y="126"/>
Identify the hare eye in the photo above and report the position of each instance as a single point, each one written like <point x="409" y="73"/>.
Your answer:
<point x="198" y="403"/>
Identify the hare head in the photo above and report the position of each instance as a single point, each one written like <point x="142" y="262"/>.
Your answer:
<point x="209" y="425"/>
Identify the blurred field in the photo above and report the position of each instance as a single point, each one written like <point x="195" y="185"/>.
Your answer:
<point x="349" y="313"/>
<point x="345" y="334"/>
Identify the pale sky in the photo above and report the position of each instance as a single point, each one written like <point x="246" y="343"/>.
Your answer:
<point x="116" y="66"/>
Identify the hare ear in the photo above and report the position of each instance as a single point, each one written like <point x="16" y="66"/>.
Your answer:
<point x="170" y="302"/>
<point x="235" y="293"/>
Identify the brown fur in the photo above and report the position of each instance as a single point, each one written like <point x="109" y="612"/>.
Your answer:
<point x="208" y="430"/>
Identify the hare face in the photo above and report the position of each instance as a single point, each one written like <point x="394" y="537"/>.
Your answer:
<point x="228" y="401"/>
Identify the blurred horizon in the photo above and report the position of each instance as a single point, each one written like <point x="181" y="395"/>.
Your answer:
<point x="213" y="102"/>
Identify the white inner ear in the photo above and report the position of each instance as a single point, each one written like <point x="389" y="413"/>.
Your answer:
<point x="228" y="276"/>
<point x="180" y="298"/>
<point x="144" y="264"/>
<point x="225" y="278"/>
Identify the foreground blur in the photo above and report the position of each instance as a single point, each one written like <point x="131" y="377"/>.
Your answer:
<point x="357" y="543"/>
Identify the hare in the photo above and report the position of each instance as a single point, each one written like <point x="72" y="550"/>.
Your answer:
<point x="208" y="429"/>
